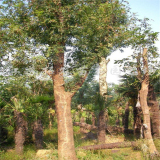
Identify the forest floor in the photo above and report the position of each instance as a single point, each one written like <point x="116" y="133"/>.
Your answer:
<point x="49" y="152"/>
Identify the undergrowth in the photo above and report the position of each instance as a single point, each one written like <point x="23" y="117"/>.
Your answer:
<point x="7" y="151"/>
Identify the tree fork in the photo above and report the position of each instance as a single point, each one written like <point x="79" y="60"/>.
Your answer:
<point x="66" y="149"/>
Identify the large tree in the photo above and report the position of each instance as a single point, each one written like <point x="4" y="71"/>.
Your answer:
<point x="87" y="26"/>
<point x="145" y="54"/>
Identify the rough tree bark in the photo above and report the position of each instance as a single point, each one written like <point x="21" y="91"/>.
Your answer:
<point x="145" y="109"/>
<point x="38" y="134"/>
<point x="126" y="116"/>
<point x="102" y="127"/>
<point x="103" y="93"/>
<point x="66" y="149"/>
<point x="20" y="131"/>
<point x="154" y="111"/>
<point x="137" y="121"/>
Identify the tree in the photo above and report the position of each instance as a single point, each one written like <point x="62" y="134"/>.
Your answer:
<point x="143" y="101"/>
<point x="21" y="125"/>
<point x="144" y="37"/>
<point x="103" y="40"/>
<point x="37" y="112"/>
<point x="55" y="25"/>
<point x="14" y="108"/>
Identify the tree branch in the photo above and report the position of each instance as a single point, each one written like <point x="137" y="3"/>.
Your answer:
<point x="79" y="84"/>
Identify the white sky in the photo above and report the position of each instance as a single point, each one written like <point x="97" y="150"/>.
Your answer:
<point x="144" y="9"/>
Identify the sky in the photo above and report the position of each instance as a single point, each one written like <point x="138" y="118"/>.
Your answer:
<point x="143" y="9"/>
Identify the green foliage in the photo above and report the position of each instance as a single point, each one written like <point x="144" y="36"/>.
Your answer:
<point x="102" y="30"/>
<point x="92" y="28"/>
<point x="40" y="62"/>
<point x="28" y="95"/>
<point x="38" y="107"/>
<point x="142" y="37"/>
<point x="129" y="86"/>
<point x="86" y="93"/>
<point x="41" y="99"/>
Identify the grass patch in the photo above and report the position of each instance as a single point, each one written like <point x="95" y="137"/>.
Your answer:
<point x="51" y="138"/>
<point x="29" y="154"/>
<point x="7" y="152"/>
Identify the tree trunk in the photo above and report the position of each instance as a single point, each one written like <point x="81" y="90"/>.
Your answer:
<point x="154" y="111"/>
<point x="137" y="121"/>
<point x="38" y="134"/>
<point x="126" y="116"/>
<point x="103" y="76"/>
<point x="102" y="127"/>
<point x="20" y="131"/>
<point x="110" y="145"/>
<point x="145" y="109"/>
<point x="66" y="149"/>
<point x="103" y="93"/>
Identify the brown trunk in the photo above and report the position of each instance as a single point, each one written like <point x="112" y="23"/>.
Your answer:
<point x="137" y="121"/>
<point x="126" y="116"/>
<point x="102" y="127"/>
<point x="154" y="112"/>
<point x="20" y="131"/>
<point x="38" y="134"/>
<point x="145" y="109"/>
<point x="110" y="145"/>
<point x="66" y="149"/>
